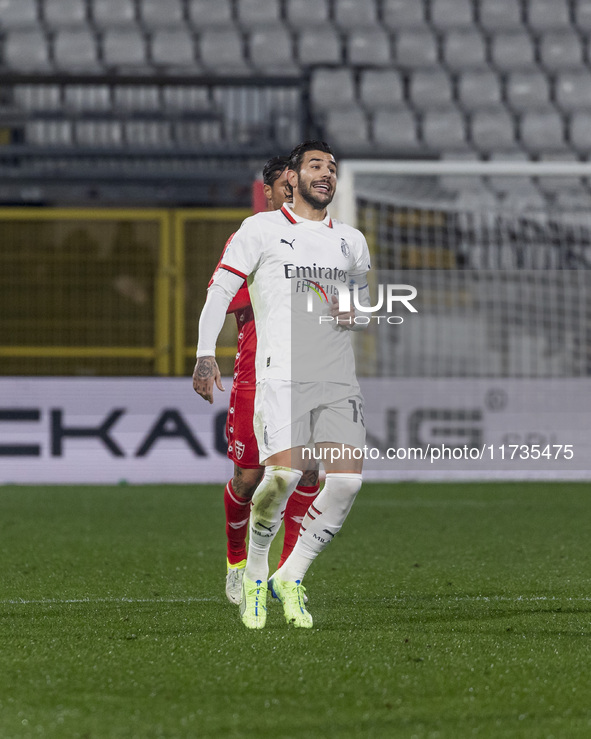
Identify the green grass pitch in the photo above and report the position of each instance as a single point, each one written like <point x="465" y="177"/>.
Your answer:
<point x="441" y="610"/>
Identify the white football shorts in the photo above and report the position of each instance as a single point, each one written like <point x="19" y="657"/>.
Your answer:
<point x="289" y="414"/>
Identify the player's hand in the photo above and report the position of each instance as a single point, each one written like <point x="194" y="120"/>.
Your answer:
<point x="344" y="319"/>
<point x="206" y="372"/>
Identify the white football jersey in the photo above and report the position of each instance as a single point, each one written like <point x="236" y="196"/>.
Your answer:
<point x="294" y="266"/>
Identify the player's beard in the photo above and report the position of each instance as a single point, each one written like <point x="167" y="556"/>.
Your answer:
<point x="307" y="193"/>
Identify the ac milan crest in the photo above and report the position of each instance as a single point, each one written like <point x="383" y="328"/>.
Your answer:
<point x="345" y="248"/>
<point x="239" y="449"/>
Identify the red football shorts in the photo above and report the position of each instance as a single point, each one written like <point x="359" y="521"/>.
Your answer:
<point x="242" y="444"/>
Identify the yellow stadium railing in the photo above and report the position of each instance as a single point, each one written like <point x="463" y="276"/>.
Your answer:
<point x="67" y="267"/>
<point x="199" y="238"/>
<point x="108" y="291"/>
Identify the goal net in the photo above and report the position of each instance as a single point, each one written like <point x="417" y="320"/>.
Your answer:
<point x="499" y="254"/>
<point x="498" y="354"/>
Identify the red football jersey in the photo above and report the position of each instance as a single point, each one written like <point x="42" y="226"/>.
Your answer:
<point x="244" y="366"/>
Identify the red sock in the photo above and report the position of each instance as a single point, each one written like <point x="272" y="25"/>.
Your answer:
<point x="237" y="515"/>
<point x="297" y="505"/>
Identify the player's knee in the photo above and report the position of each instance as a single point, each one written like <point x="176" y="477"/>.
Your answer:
<point x="344" y="487"/>
<point x="284" y="479"/>
<point x="246" y="481"/>
<point x="278" y="484"/>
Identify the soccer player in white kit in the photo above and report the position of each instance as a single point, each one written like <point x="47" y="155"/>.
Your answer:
<point x="297" y="261"/>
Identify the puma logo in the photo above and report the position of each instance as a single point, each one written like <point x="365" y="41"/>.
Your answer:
<point x="289" y="243"/>
<point x="268" y="528"/>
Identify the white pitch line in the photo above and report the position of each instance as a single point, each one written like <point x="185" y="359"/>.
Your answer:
<point x="502" y="598"/>
<point x="398" y="598"/>
<point x="61" y="601"/>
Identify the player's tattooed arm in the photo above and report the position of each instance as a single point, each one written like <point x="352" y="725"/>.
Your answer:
<point x="206" y="372"/>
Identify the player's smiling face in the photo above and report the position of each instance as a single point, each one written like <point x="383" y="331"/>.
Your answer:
<point x="317" y="179"/>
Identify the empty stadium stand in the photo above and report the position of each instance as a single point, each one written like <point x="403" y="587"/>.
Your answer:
<point x="428" y="78"/>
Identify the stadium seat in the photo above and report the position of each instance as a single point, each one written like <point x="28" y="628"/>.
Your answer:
<point x="513" y="51"/>
<point x="430" y="89"/>
<point x="395" y="130"/>
<point x="286" y="129"/>
<point x="124" y="47"/>
<point x="561" y="50"/>
<point x="444" y="130"/>
<point x="542" y="131"/>
<point x="48" y="133"/>
<point x="253" y="13"/>
<point x="479" y="89"/>
<point x="573" y="200"/>
<point x="368" y="47"/>
<point x="37" y="97"/>
<point x="140" y="98"/>
<point x="525" y="198"/>
<point x="580" y="131"/>
<point x="332" y="87"/>
<point x="153" y="134"/>
<point x="416" y="49"/>
<point x="27" y="51"/>
<point x="527" y="90"/>
<point x="271" y="50"/>
<point x="508" y="183"/>
<point x="184" y="98"/>
<point x="380" y="88"/>
<point x="464" y="50"/>
<point x="354" y="14"/>
<point x="493" y="130"/>
<point x="347" y="129"/>
<point x="87" y="98"/>
<point x="500" y="15"/>
<point x="158" y="14"/>
<point x="197" y="133"/>
<point x="319" y="45"/>
<point x="222" y="51"/>
<point x="98" y="133"/>
<point x="64" y="13"/>
<point x="459" y="182"/>
<point x="476" y="198"/>
<point x="452" y="14"/>
<point x="19" y="14"/>
<point x="173" y="48"/>
<point x="305" y="13"/>
<point x="76" y="50"/>
<point x="210" y="13"/>
<point x="555" y="184"/>
<point x="547" y="15"/>
<point x="400" y="14"/>
<point x="107" y="13"/>
<point x="573" y="90"/>
<point x="583" y="15"/>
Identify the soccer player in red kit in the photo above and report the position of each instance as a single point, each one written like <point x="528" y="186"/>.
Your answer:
<point x="242" y="444"/>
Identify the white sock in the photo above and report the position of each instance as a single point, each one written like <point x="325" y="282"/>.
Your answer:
<point x="321" y="523"/>
<point x="268" y="506"/>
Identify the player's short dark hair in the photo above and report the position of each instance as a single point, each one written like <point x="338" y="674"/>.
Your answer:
<point x="297" y="155"/>
<point x="273" y="169"/>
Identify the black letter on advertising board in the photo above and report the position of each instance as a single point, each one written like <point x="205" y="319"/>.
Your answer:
<point x="176" y="428"/>
<point x="20" y="450"/>
<point x="450" y="426"/>
<point x="221" y="440"/>
<point x="59" y="432"/>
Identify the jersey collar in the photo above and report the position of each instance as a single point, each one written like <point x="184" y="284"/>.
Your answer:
<point x="293" y="218"/>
